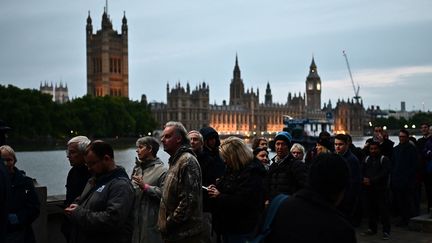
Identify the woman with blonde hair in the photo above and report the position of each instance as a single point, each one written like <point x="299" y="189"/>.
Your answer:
<point x="298" y="151"/>
<point x="238" y="196"/>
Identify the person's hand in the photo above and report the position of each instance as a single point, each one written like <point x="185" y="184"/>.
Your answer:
<point x="380" y="138"/>
<point x="140" y="182"/>
<point x="213" y="192"/>
<point x="366" y="181"/>
<point x="70" y="209"/>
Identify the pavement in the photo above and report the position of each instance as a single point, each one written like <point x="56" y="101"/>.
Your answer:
<point x="398" y="235"/>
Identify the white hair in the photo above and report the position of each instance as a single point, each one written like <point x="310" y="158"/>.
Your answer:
<point x="81" y="141"/>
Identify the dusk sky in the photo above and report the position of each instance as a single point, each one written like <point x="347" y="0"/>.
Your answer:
<point x="388" y="44"/>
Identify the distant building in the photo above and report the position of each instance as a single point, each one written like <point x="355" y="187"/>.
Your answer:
<point x="350" y="117"/>
<point x="107" y="59"/>
<point x="243" y="114"/>
<point x="47" y="88"/>
<point x="59" y="93"/>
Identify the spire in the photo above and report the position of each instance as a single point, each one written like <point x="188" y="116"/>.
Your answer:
<point x="237" y="73"/>
<point x="268" y="99"/>
<point x="313" y="74"/>
<point x="313" y="65"/>
<point x="89" y="20"/>
<point x="124" y="20"/>
<point x="106" y="22"/>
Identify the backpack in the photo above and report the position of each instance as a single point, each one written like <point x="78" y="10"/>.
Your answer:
<point x="273" y="208"/>
<point x="367" y="158"/>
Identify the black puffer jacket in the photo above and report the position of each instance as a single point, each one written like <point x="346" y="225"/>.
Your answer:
<point x="238" y="207"/>
<point x="287" y="176"/>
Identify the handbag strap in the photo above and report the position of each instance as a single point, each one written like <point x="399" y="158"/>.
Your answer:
<point x="274" y="206"/>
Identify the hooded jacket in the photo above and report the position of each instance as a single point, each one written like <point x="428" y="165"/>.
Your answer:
<point x="104" y="214"/>
<point x="146" y="207"/>
<point x="180" y="213"/>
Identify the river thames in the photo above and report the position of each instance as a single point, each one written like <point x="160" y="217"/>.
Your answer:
<point x="50" y="168"/>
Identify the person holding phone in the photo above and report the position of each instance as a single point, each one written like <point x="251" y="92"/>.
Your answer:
<point x="238" y="196"/>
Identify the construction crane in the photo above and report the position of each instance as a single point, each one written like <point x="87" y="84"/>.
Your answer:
<point x="356" y="90"/>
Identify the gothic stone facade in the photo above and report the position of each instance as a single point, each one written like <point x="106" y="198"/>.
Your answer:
<point x="107" y="59"/>
<point x="243" y="115"/>
<point x="59" y="93"/>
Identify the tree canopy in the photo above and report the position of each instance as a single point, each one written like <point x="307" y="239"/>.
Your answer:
<point x="32" y="114"/>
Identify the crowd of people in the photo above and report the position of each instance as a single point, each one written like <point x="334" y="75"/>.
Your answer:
<point x="220" y="191"/>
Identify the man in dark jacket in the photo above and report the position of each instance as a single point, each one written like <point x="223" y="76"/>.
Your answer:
<point x="103" y="212"/>
<point x="310" y="215"/>
<point x="180" y="214"/>
<point x="405" y="162"/>
<point x="210" y="173"/>
<point x="78" y="175"/>
<point x="286" y="174"/>
<point x="386" y="145"/>
<point x="350" y="203"/>
<point x="424" y="172"/>
<point x="376" y="175"/>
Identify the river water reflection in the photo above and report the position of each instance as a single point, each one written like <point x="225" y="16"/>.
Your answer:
<point x="50" y="168"/>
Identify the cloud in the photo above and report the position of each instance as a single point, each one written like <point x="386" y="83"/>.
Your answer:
<point x="379" y="78"/>
<point x="385" y="86"/>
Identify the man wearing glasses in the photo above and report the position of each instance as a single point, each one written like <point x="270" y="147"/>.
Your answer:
<point x="103" y="213"/>
<point x="77" y="177"/>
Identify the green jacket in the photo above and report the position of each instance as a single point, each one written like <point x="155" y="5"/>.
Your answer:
<point x="180" y="214"/>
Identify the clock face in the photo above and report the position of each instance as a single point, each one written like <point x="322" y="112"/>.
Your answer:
<point x="318" y="86"/>
<point x="310" y="85"/>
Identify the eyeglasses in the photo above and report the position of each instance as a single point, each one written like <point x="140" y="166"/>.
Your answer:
<point x="91" y="163"/>
<point x="70" y="152"/>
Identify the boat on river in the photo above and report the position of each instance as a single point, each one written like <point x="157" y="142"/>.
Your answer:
<point x="306" y="131"/>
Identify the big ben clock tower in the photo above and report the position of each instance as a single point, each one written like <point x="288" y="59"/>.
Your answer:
<point x="313" y="88"/>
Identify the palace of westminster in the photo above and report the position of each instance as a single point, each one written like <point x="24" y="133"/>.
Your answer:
<point x="107" y="74"/>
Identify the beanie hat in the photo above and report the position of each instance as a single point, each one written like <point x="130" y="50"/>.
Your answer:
<point x="285" y="136"/>
<point x="259" y="149"/>
<point x="329" y="174"/>
<point x="326" y="144"/>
